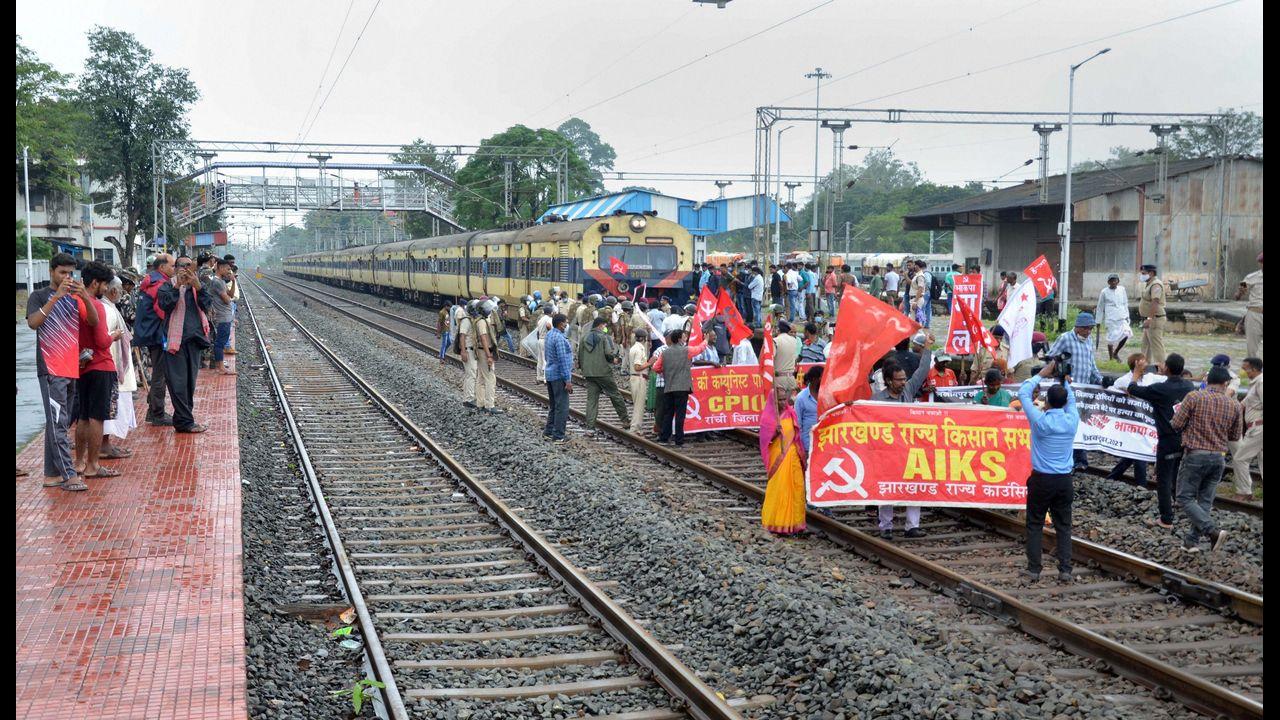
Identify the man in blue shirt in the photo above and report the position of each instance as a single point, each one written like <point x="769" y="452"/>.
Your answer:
<point x="806" y="404"/>
<point x="559" y="371"/>
<point x="1053" y="431"/>
<point x="1083" y="366"/>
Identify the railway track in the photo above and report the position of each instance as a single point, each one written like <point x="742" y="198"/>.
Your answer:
<point x="456" y="597"/>
<point x="1188" y="638"/>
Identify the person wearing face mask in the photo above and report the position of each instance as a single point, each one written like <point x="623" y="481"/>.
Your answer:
<point x="1151" y="308"/>
<point x="597" y="354"/>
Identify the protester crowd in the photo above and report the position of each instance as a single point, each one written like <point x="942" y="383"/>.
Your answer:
<point x="102" y="334"/>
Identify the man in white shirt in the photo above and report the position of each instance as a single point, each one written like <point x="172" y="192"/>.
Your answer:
<point x="756" y="290"/>
<point x="1122" y="385"/>
<point x="674" y="321"/>
<point x="795" y="300"/>
<point x="891" y="285"/>
<point x="542" y="327"/>
<point x="1113" y="315"/>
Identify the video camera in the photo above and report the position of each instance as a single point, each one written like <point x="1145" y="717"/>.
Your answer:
<point x="1062" y="368"/>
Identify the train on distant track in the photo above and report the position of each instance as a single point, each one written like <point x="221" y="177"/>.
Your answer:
<point x="578" y="256"/>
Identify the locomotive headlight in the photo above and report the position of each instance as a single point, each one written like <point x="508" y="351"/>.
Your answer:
<point x="638" y="223"/>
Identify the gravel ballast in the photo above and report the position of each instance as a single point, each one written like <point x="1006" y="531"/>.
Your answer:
<point x="801" y="620"/>
<point x="293" y="661"/>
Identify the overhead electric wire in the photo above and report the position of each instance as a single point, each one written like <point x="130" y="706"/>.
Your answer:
<point x="695" y="61"/>
<point x="876" y="64"/>
<point x="1037" y="56"/>
<point x="320" y="85"/>
<point x="969" y="74"/>
<point x="338" y="77"/>
<point x="608" y="67"/>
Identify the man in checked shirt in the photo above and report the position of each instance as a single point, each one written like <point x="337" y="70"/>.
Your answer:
<point x="1084" y="369"/>
<point x="1208" y="420"/>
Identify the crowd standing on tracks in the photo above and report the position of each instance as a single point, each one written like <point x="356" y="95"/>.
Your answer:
<point x="98" y="330"/>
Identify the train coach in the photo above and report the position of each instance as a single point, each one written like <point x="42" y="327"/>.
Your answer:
<point x="578" y="256"/>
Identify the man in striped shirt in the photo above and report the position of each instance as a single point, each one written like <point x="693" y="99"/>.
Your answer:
<point x="1208" y="420"/>
<point x="1084" y="369"/>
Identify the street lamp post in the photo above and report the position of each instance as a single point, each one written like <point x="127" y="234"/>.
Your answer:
<point x="26" y="191"/>
<point x="1064" y="268"/>
<point x="777" y="196"/>
<point x="818" y="75"/>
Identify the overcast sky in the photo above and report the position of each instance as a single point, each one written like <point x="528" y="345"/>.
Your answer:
<point x="457" y="72"/>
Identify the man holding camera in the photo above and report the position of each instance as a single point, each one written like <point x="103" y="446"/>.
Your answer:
<point x="185" y="302"/>
<point x="1074" y="355"/>
<point x="1053" y="432"/>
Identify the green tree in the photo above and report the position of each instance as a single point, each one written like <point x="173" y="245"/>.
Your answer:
<point x="131" y="102"/>
<point x="1120" y="156"/>
<point x="41" y="249"/>
<point x="421" y="152"/>
<point x="599" y="155"/>
<point x="46" y="121"/>
<point x="533" y="177"/>
<point x="1244" y="137"/>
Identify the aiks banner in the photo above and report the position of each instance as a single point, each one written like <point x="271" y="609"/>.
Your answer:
<point x="725" y="398"/>
<point x="871" y="453"/>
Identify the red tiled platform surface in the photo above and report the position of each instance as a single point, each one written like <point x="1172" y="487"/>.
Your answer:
<point x="129" y="601"/>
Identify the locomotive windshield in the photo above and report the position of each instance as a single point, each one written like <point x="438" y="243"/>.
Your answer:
<point x="639" y="257"/>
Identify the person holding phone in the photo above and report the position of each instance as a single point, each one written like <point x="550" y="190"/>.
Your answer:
<point x="185" y="301"/>
<point x="56" y="312"/>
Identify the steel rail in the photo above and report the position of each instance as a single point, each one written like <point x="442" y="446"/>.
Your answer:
<point x="1164" y="679"/>
<point x="668" y="671"/>
<point x="389" y="693"/>
<point x="1225" y="502"/>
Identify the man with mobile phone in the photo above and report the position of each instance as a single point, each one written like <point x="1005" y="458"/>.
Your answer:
<point x="185" y="302"/>
<point x="56" y="312"/>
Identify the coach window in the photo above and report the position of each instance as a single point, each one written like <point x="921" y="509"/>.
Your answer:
<point x="639" y="257"/>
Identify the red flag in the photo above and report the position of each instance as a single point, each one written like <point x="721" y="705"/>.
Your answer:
<point x="865" y="330"/>
<point x="766" y="354"/>
<point x="738" y="330"/>
<point x="707" y="305"/>
<point x="977" y="331"/>
<point x="1042" y="274"/>
<point x="617" y="267"/>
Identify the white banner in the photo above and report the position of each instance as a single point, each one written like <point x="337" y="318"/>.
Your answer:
<point x="1110" y="421"/>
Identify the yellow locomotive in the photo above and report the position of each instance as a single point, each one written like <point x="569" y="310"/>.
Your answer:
<point x="578" y="256"/>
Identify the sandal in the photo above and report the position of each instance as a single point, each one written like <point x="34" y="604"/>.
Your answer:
<point x="55" y="481"/>
<point x="104" y="472"/>
<point x="74" y="486"/>
<point x="117" y="453"/>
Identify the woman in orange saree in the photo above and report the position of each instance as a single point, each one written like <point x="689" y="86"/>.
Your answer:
<point x="783" y="512"/>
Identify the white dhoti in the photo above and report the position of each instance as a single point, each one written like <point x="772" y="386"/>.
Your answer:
<point x="540" y="372"/>
<point x="125" y="419"/>
<point x="1118" y="330"/>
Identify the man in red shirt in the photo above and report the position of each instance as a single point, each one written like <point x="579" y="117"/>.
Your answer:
<point x="96" y="389"/>
<point x="939" y="376"/>
<point x="56" y="313"/>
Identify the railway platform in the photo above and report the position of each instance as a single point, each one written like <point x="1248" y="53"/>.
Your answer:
<point x="129" y="599"/>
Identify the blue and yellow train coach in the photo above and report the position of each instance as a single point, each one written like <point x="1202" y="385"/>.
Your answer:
<point x="577" y="256"/>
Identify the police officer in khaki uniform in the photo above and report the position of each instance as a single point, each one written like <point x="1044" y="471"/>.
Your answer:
<point x="1251" y="292"/>
<point x="487" y="344"/>
<point x="1151" y="306"/>
<point x="467" y="346"/>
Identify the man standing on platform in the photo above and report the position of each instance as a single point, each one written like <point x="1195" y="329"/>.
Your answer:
<point x="1053" y="432"/>
<point x="1251" y="292"/>
<point x="891" y="281"/>
<point x="1250" y="445"/>
<point x="96" y="388"/>
<point x="185" y="302"/>
<point x="1151" y="308"/>
<point x="559" y="371"/>
<point x="597" y="354"/>
<point x="56" y="313"/>
<point x="901" y="389"/>
<point x="149" y="333"/>
<point x="1208" y="420"/>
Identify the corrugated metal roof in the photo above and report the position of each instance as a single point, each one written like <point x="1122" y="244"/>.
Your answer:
<point x="596" y="206"/>
<point x="1083" y="186"/>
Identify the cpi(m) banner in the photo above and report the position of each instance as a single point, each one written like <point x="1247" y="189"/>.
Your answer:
<point x="725" y="398"/>
<point x="938" y="455"/>
<point x="968" y="290"/>
<point x="1110" y="421"/>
